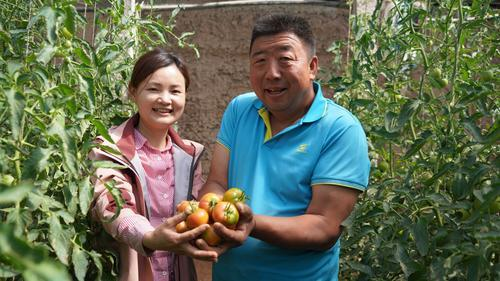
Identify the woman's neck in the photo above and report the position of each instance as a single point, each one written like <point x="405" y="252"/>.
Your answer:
<point x="156" y="138"/>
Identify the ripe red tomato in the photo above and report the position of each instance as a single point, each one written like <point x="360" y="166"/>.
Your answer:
<point x="208" y="201"/>
<point x="234" y="195"/>
<point x="187" y="206"/>
<point x="181" y="227"/>
<point x="211" y="237"/>
<point x="197" y="218"/>
<point x="226" y="213"/>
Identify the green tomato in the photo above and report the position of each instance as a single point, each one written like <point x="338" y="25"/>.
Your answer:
<point x="486" y="75"/>
<point x="7" y="179"/>
<point x="436" y="74"/>
<point x="66" y="33"/>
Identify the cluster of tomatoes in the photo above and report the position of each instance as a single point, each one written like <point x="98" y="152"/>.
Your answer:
<point x="211" y="208"/>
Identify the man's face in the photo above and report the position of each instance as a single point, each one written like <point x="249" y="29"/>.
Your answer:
<point x="281" y="73"/>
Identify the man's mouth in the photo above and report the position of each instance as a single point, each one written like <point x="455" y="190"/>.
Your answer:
<point x="274" y="91"/>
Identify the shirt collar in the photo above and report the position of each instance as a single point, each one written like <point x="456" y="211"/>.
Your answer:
<point x="141" y="140"/>
<point x="315" y="112"/>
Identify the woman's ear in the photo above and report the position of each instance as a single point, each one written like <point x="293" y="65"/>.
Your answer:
<point x="131" y="93"/>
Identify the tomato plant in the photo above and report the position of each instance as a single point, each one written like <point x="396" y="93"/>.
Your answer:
<point x="422" y="80"/>
<point x="226" y="213"/>
<point x="63" y="73"/>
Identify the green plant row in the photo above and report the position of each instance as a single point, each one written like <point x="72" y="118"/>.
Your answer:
<point x="63" y="75"/>
<point x="423" y="80"/>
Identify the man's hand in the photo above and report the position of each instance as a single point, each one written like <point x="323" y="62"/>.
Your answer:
<point x="165" y="238"/>
<point x="232" y="237"/>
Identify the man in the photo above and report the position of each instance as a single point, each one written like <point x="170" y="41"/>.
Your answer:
<point x="301" y="159"/>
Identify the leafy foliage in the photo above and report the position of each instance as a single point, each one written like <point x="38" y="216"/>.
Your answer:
<point x="423" y="80"/>
<point x="63" y="75"/>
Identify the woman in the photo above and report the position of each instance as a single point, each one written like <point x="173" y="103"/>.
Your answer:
<point x="161" y="170"/>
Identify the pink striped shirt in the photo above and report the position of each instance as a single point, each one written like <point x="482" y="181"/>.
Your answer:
<point x="159" y="168"/>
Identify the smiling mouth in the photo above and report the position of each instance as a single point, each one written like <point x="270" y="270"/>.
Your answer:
<point x="162" y="110"/>
<point x="274" y="92"/>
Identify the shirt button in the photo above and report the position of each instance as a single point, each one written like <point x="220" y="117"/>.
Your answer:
<point x="158" y="158"/>
<point x="159" y="177"/>
<point x="163" y="219"/>
<point x="165" y="195"/>
<point x="164" y="273"/>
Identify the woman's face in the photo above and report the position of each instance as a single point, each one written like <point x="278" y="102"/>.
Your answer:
<point x="160" y="98"/>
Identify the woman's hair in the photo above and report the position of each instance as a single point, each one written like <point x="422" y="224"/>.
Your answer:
<point x="153" y="60"/>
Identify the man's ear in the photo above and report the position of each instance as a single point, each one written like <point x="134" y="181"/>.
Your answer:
<point x="313" y="67"/>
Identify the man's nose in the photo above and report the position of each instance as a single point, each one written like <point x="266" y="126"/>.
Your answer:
<point x="273" y="71"/>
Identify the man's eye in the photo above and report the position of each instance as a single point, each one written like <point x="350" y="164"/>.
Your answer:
<point x="285" y="59"/>
<point x="152" y="89"/>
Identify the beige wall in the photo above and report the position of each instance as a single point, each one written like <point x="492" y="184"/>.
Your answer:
<point x="221" y="73"/>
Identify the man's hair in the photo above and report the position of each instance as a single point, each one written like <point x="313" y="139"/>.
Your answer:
<point x="278" y="23"/>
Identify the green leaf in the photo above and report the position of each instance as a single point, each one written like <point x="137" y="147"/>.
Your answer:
<point x="57" y="128"/>
<point x="460" y="186"/>
<point x="6" y="271"/>
<point x="80" y="263"/>
<point x="391" y="122"/>
<point x="117" y="197"/>
<point x="87" y="86"/>
<point x="101" y="129"/>
<point x="60" y="239"/>
<point x="107" y="164"/>
<point x="360" y="267"/>
<point x="407" y="265"/>
<point x="84" y="57"/>
<point x="50" y="16"/>
<point x="16" y="111"/>
<point x="37" y="161"/>
<point x="490" y="138"/>
<point x="46" y="54"/>
<point x="15" y="194"/>
<point x="418" y="144"/>
<point x="13" y="66"/>
<point x="31" y="261"/>
<point x="96" y="259"/>
<point x="85" y="195"/>
<point x="474" y="268"/>
<point x="419" y="231"/>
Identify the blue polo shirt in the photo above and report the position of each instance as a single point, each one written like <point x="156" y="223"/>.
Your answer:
<point x="326" y="146"/>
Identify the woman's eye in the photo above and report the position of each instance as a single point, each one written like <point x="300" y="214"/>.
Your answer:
<point x="152" y="89"/>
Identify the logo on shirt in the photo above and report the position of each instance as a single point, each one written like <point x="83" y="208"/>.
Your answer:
<point x="302" y="148"/>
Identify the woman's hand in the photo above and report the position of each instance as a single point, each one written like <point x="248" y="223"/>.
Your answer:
<point x="231" y="238"/>
<point x="165" y="238"/>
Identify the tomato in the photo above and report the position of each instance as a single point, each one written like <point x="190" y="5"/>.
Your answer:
<point x="208" y="201"/>
<point x="181" y="227"/>
<point x="436" y="74"/>
<point x="187" y="207"/>
<point x="211" y="237"/>
<point x="234" y="195"/>
<point x="197" y="218"/>
<point x="226" y="213"/>
<point x="487" y="75"/>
